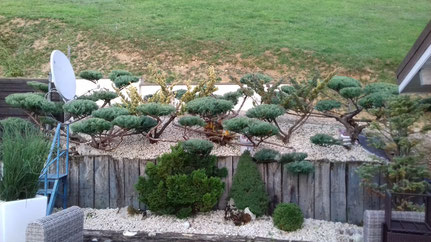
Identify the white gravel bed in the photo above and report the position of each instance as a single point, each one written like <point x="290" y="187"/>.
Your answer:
<point x="137" y="146"/>
<point x="214" y="223"/>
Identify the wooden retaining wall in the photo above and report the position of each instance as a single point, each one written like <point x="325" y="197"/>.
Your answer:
<point x="331" y="193"/>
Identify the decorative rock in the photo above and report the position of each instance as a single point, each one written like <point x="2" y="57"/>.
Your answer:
<point x="247" y="211"/>
<point x="186" y="225"/>
<point x="129" y="233"/>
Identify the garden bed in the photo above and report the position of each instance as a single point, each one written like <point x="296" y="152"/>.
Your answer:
<point x="137" y="146"/>
<point x="209" y="226"/>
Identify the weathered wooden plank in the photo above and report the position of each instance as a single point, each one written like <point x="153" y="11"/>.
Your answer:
<point x="116" y="183"/>
<point x="225" y="162"/>
<point x="277" y="183"/>
<point x="235" y="160"/>
<point x="338" y="192"/>
<point x="322" y="186"/>
<point x="73" y="178"/>
<point x="101" y="182"/>
<point x="355" y="195"/>
<point x="371" y="200"/>
<point x="86" y="182"/>
<point x="131" y="175"/>
<point x="306" y="194"/>
<point x="142" y="166"/>
<point x="290" y="187"/>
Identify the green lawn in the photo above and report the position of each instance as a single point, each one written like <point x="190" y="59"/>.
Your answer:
<point x="354" y="33"/>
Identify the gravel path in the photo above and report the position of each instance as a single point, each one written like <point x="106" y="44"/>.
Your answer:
<point x="214" y="223"/>
<point x="138" y="147"/>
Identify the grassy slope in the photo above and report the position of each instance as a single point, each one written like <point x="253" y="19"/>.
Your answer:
<point x="354" y="33"/>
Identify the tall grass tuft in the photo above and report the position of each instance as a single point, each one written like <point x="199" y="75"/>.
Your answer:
<point x="23" y="151"/>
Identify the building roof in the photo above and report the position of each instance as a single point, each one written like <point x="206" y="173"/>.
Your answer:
<point x="418" y="57"/>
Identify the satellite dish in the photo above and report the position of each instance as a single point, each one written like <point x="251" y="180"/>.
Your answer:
<point x="63" y="76"/>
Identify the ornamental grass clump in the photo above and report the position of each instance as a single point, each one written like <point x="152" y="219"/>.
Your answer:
<point x="248" y="189"/>
<point x="182" y="183"/>
<point x="288" y="217"/>
<point x="23" y="152"/>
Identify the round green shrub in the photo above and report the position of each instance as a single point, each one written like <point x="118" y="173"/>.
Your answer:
<point x="381" y="87"/>
<point x="250" y="127"/>
<point x="375" y="100"/>
<point x="80" y="107"/>
<point x="300" y="167"/>
<point x="324" y="140"/>
<point x="127" y="121"/>
<point x="109" y="113"/>
<point x="327" y="105"/>
<point x="104" y="95"/>
<point x="38" y="86"/>
<point x="116" y="73"/>
<point x="237" y="125"/>
<point x="124" y="80"/>
<point x="267" y="156"/>
<point x="248" y="189"/>
<point x="190" y="121"/>
<point x="288" y="89"/>
<point x="32" y="102"/>
<point x="288" y="217"/>
<point x="339" y="82"/>
<point x="208" y="106"/>
<point x="146" y="124"/>
<point x="91" y="75"/>
<point x="351" y="92"/>
<point x="266" y="112"/>
<point x="292" y="157"/>
<point x="198" y="146"/>
<point x="251" y="78"/>
<point x="91" y="126"/>
<point x="156" y="109"/>
<point x="232" y="97"/>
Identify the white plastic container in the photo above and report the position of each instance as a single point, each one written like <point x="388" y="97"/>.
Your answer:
<point x="16" y="215"/>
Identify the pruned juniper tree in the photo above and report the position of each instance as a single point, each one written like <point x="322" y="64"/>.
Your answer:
<point x="401" y="119"/>
<point x="261" y="84"/>
<point x="256" y="131"/>
<point x="348" y="98"/>
<point x="164" y="114"/>
<point x="297" y="98"/>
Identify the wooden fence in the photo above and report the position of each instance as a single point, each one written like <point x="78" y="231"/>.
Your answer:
<point x="332" y="193"/>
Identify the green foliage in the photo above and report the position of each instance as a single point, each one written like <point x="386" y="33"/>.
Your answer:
<point x="117" y="73"/>
<point x="124" y="80"/>
<point x="232" y="97"/>
<point x="91" y="126"/>
<point x="208" y="106"/>
<point x="23" y="152"/>
<point x="267" y="156"/>
<point x="181" y="183"/>
<point x="103" y="95"/>
<point x="38" y="86"/>
<point x="198" y="147"/>
<point x="292" y="157"/>
<point x="327" y="105"/>
<point x="427" y="101"/>
<point x="300" y="167"/>
<point x="250" y="127"/>
<point x="375" y="100"/>
<point x="79" y="108"/>
<point x="260" y="84"/>
<point x="156" y="109"/>
<point x="146" y="124"/>
<point x="288" y="217"/>
<point x="109" y="113"/>
<point x="351" y="92"/>
<point x="339" y="82"/>
<point x="190" y="121"/>
<point x="266" y="112"/>
<point x="248" y="189"/>
<point x="324" y="140"/>
<point x="91" y="75"/>
<point x="381" y="87"/>
<point x="127" y="121"/>
<point x="32" y="102"/>
<point x="179" y="93"/>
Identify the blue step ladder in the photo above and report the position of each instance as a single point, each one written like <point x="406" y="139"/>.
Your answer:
<point x="51" y="177"/>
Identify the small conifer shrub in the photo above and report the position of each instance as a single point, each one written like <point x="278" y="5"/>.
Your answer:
<point x="288" y="217"/>
<point x="248" y="189"/>
<point x="267" y="156"/>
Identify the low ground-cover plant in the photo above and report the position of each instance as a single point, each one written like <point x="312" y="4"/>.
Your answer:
<point x="248" y="189"/>
<point x="288" y="217"/>
<point x="183" y="182"/>
<point x="23" y="151"/>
